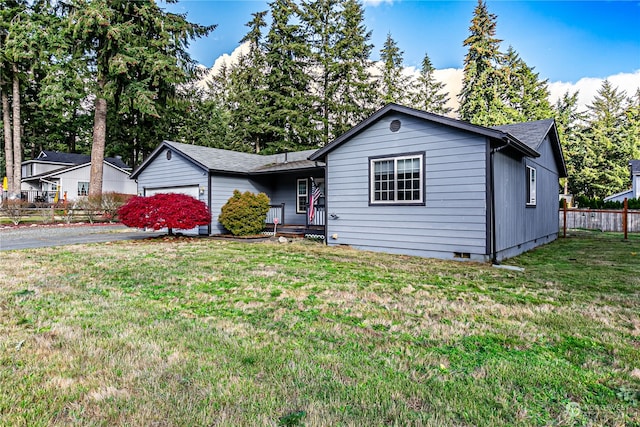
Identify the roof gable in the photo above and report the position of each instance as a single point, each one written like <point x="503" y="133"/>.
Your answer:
<point x="67" y="169"/>
<point x="495" y="134"/>
<point x="235" y="162"/>
<point x="76" y="159"/>
<point x="533" y="134"/>
<point x="635" y="167"/>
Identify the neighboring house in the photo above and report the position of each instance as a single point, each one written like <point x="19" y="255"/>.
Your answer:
<point x="402" y="181"/>
<point x="55" y="172"/>
<point x="211" y="175"/>
<point x="409" y="182"/>
<point x="634" y="192"/>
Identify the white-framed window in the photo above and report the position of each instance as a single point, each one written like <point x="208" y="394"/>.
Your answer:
<point x="83" y="188"/>
<point x="397" y="180"/>
<point x="302" y="195"/>
<point x="532" y="179"/>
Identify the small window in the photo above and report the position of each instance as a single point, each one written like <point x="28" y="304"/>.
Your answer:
<point x="302" y="199"/>
<point x="531" y="186"/>
<point x="397" y="180"/>
<point x="83" y="188"/>
<point x="168" y="154"/>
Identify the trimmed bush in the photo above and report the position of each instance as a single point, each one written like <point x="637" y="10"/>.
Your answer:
<point x="596" y="203"/>
<point x="164" y="211"/>
<point x="244" y="213"/>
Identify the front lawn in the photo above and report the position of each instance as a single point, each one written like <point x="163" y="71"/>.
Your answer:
<point x="196" y="332"/>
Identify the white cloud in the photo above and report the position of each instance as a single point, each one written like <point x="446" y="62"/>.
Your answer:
<point x="375" y="3"/>
<point x="588" y="87"/>
<point x="452" y="78"/>
<point x="228" y="59"/>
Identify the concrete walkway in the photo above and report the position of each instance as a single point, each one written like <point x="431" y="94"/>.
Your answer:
<point x="60" y="235"/>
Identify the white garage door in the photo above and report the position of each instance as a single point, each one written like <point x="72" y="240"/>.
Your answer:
<point x="191" y="190"/>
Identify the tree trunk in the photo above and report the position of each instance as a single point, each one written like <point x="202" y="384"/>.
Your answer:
<point x="17" y="134"/>
<point x="8" y="141"/>
<point x="97" y="149"/>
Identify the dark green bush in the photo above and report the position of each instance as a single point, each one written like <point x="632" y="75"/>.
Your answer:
<point x="244" y="213"/>
<point x="584" y="202"/>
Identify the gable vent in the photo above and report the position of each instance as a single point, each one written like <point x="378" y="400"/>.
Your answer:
<point x="395" y="125"/>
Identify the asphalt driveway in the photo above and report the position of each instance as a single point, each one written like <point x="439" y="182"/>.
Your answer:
<point x="56" y="235"/>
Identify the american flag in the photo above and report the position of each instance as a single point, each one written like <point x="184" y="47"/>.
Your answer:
<point x="313" y="199"/>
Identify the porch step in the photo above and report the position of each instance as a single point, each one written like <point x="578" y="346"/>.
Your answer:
<point x="296" y="231"/>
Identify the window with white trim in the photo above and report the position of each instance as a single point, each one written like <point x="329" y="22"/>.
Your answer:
<point x="397" y="180"/>
<point x="302" y="199"/>
<point x="531" y="186"/>
<point x="83" y="188"/>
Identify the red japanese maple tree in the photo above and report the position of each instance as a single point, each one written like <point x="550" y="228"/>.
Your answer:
<point x="164" y="211"/>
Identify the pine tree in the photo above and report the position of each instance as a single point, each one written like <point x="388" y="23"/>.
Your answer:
<point x="429" y="95"/>
<point x="22" y="34"/>
<point x="608" y="153"/>
<point x="393" y="83"/>
<point x="527" y="97"/>
<point x="481" y="98"/>
<point x="570" y="125"/>
<point x="321" y="19"/>
<point x="355" y="95"/>
<point x="289" y="107"/>
<point x="139" y="54"/>
<point x="246" y="93"/>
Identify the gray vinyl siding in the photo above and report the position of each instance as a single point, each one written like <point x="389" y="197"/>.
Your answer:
<point x="520" y="227"/>
<point x="285" y="191"/>
<point x="222" y="187"/>
<point x="177" y="172"/>
<point x="453" y="218"/>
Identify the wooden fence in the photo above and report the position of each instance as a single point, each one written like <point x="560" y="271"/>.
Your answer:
<point x="623" y="221"/>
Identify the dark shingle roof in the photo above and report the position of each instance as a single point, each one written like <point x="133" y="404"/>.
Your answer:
<point x="219" y="160"/>
<point x="635" y="167"/>
<point x="76" y="159"/>
<point x="531" y="133"/>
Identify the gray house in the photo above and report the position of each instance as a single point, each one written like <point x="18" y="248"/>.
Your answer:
<point x="69" y="173"/>
<point x="634" y="191"/>
<point x="409" y="182"/>
<point x="402" y="181"/>
<point x="211" y="175"/>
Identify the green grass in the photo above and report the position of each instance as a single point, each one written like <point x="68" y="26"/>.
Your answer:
<point x="207" y="332"/>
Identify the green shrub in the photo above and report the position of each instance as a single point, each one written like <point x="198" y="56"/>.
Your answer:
<point x="584" y="202"/>
<point x="244" y="213"/>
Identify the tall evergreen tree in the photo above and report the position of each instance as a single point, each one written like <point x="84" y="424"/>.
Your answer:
<point x="21" y="45"/>
<point x="289" y="111"/>
<point x="429" y="95"/>
<point x="139" y="54"/>
<point x="570" y="124"/>
<point x="355" y="95"/>
<point x="393" y="83"/>
<point x="608" y="152"/>
<point x="321" y="18"/>
<point x="247" y="89"/>
<point x="527" y="97"/>
<point x="481" y="98"/>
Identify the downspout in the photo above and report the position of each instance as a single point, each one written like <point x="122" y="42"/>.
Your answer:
<point x="492" y="196"/>
<point x="326" y="202"/>
<point x="209" y="191"/>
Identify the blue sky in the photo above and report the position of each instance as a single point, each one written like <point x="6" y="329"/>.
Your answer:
<point x="564" y="40"/>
